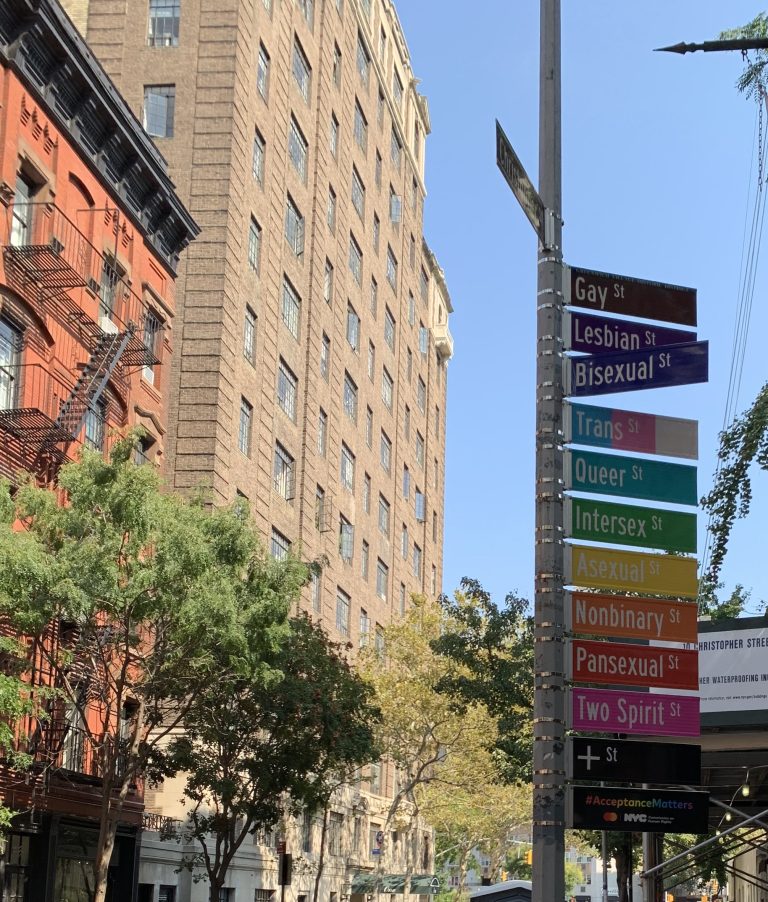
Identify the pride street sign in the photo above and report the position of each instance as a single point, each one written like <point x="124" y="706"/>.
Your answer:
<point x="630" y="617"/>
<point x="627" y="810"/>
<point x="623" y="664"/>
<point x="630" y="477"/>
<point x="629" y="430"/>
<point x="622" y="761"/>
<point x="638" y="713"/>
<point x="605" y="292"/>
<point x="630" y="571"/>
<point x="601" y="334"/>
<point x="620" y="371"/>
<point x="628" y="524"/>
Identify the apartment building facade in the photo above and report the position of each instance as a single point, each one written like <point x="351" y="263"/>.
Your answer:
<point x="90" y="234"/>
<point x="310" y="367"/>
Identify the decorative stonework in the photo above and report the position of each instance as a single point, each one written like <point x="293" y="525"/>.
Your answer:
<point x="37" y="125"/>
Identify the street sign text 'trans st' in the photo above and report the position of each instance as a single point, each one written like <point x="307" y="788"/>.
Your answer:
<point x="517" y="179"/>
<point x="630" y="430"/>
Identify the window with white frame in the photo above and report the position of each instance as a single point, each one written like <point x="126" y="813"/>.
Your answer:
<point x="404" y="542"/>
<point x="328" y="282"/>
<point x="420" y="449"/>
<point x="411" y="308"/>
<point x="365" y="623"/>
<point x="407" y="423"/>
<point x="386" y="452"/>
<point x="307" y="8"/>
<point x="291" y="308"/>
<point x="360" y="128"/>
<point x="380" y="109"/>
<point x="254" y="245"/>
<point x="283" y="472"/>
<point x="294" y="227"/>
<point x="371" y="360"/>
<point x="262" y="72"/>
<point x="412" y="251"/>
<point x="408" y="364"/>
<point x="95" y="425"/>
<point x="382" y="579"/>
<point x="244" y="429"/>
<point x="421" y="394"/>
<point x="298" y="148"/>
<point x="402" y="598"/>
<point x="302" y="72"/>
<point x="406" y="481"/>
<point x="396" y="150"/>
<point x="287" y="385"/>
<point x="397" y="88"/>
<point x="383" y="515"/>
<point x="355" y="259"/>
<point x="350" y="397"/>
<point x="382" y="44"/>
<point x="389" y="328"/>
<point x="319" y="507"/>
<point x="331" y="212"/>
<point x="358" y="193"/>
<point x="387" y="387"/>
<point x="377" y="170"/>
<point x="342" y="618"/>
<point x="333" y="136"/>
<point x="369" y="427"/>
<point x="391" y="268"/>
<point x="374" y="297"/>
<point x="424" y="284"/>
<point x="346" y="539"/>
<point x="376" y="232"/>
<point x="423" y="340"/>
<point x="316" y="593"/>
<point x="395" y="206"/>
<point x="258" y="158"/>
<point x="364" y="558"/>
<point x="249" y="336"/>
<point x="336" y="65"/>
<point x="163" y="28"/>
<point x="353" y="328"/>
<point x="363" y="61"/>
<point x="280" y="546"/>
<point x="159" y="108"/>
<point x="367" y="494"/>
<point x="322" y="432"/>
<point x="420" y="505"/>
<point x="347" y="469"/>
<point x="416" y="561"/>
<point x="325" y="357"/>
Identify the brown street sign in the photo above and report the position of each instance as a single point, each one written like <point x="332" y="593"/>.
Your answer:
<point x="604" y="292"/>
<point x="517" y="179"/>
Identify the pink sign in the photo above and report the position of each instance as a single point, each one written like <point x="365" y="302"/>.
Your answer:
<point x="611" y="711"/>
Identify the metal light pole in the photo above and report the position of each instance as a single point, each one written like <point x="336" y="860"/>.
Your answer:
<point x="549" y="651"/>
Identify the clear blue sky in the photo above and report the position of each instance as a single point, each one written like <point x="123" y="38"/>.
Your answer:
<point x="657" y="153"/>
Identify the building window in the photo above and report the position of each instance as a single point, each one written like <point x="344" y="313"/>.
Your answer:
<point x="416" y="561"/>
<point x="374" y="297"/>
<point x="159" y="103"/>
<point x="369" y="427"/>
<point x="322" y="432"/>
<point x="328" y="282"/>
<point x="163" y="28"/>
<point x="424" y="285"/>
<point x="306" y="833"/>
<point x="280" y="546"/>
<point x="257" y="161"/>
<point x="423" y="340"/>
<point x="376" y="232"/>
<point x="391" y="268"/>
<point x="363" y="61"/>
<point x="435" y="472"/>
<point x="287" y="385"/>
<point x="358" y="193"/>
<point x="406" y="481"/>
<point x="262" y="72"/>
<point x="408" y="365"/>
<point x="284" y="472"/>
<point x="382" y="579"/>
<point x="166" y="894"/>
<point x="346" y="539"/>
<point x="371" y="360"/>
<point x="294" y="227"/>
<point x="382" y="44"/>
<point x="397" y="88"/>
<point x="437" y="421"/>
<point x="434" y="580"/>
<point x="402" y="599"/>
<point x="383" y="515"/>
<point x="331" y="214"/>
<point x="21" y="223"/>
<point x="389" y="328"/>
<point x="342" y="616"/>
<point x="350" y="397"/>
<point x="291" y="308"/>
<point x="335" y="829"/>
<point x="367" y="494"/>
<point x="434" y="526"/>
<point x="298" y="149"/>
<point x="420" y="449"/>
<point x="333" y="136"/>
<point x="412" y="252"/>
<point x="417" y="140"/>
<point x="254" y="245"/>
<point x="404" y="543"/>
<point x="319" y="507"/>
<point x="355" y="260"/>
<point x="302" y="72"/>
<point x="307" y="7"/>
<point x="386" y="388"/>
<point x="407" y="423"/>
<point x="360" y="128"/>
<point x="420" y="505"/>
<point x="325" y="357"/>
<point x="411" y="309"/>
<point x="364" y="558"/>
<point x="396" y="150"/>
<point x="336" y="65"/>
<point x="414" y="193"/>
<point x="421" y="394"/>
<point x="150" y="337"/>
<point x="347" y="474"/>
<point x="377" y="171"/>
<point x="353" y="328"/>
<point x="380" y="109"/>
<point x="395" y="206"/>
<point x="244" y="430"/>
<point x="365" y="623"/>
<point x="249" y="336"/>
<point x="386" y="452"/>
<point x="95" y="418"/>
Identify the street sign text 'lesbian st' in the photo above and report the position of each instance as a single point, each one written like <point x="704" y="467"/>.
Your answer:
<point x="631" y="617"/>
<point x="605" y="292"/>
<point x="627" y="810"/>
<point x="625" y="664"/>
<point x="630" y="477"/>
<point x="620" y="371"/>
<point x="638" y="713"/>
<point x="600" y="334"/>
<point x="630" y="430"/>
<point x="621" y="761"/>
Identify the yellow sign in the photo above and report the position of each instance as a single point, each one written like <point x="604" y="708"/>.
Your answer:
<point x="630" y="571"/>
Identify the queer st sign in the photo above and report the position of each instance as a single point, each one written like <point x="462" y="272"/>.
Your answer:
<point x="631" y="617"/>
<point x="623" y="664"/>
<point x="638" y="713"/>
<point x="630" y="571"/>
<point x="629" y="430"/>
<point x="629" y="524"/>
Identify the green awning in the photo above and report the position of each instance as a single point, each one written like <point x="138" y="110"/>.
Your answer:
<point x="392" y="883"/>
<point x="425" y="885"/>
<point x="363" y="882"/>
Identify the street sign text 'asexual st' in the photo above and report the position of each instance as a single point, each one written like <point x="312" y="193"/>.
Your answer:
<point x="631" y="571"/>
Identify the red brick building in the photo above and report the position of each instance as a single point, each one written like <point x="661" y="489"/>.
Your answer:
<point x="90" y="234"/>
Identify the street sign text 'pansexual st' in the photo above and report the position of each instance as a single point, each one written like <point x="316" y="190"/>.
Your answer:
<point x="630" y="430"/>
<point x="625" y="664"/>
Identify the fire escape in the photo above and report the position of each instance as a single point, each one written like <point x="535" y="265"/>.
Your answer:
<point x="51" y="263"/>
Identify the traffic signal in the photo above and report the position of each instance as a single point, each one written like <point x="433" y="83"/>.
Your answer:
<point x="529" y="856"/>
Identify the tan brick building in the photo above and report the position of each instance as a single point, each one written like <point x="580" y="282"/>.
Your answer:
<point x="312" y="338"/>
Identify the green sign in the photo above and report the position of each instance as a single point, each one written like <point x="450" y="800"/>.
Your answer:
<point x="631" y="477"/>
<point x="626" y="524"/>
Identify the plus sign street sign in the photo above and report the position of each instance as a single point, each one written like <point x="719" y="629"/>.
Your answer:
<point x="605" y="292"/>
<point x="517" y="179"/>
<point x="619" y="761"/>
<point x="627" y="810"/>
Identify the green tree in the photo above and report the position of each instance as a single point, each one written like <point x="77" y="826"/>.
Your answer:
<point x="752" y="81"/>
<point x="148" y="595"/>
<point x="277" y="735"/>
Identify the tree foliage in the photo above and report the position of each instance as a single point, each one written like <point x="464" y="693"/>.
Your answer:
<point x="134" y="601"/>
<point x="752" y="81"/>
<point x="279" y="734"/>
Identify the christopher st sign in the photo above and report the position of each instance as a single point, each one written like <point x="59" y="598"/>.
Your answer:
<point x="649" y="810"/>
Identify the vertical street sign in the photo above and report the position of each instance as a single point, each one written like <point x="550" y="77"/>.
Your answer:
<point x="517" y="179"/>
<point x="630" y="430"/>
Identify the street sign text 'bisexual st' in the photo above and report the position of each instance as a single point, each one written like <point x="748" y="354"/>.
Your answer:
<point x="629" y="524"/>
<point x="631" y="617"/>
<point x="630" y="430"/>
<point x="517" y="179"/>
<point x="625" y="664"/>
<point x="637" y="713"/>
<point x="619" y="371"/>
<point x="627" y="810"/>
<point x="630" y="477"/>
<point x="605" y="292"/>
<point x="631" y="571"/>
<point x="590" y="334"/>
<point x="617" y="761"/>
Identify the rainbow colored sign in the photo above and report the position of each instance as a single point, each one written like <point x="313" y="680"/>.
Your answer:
<point x="628" y="430"/>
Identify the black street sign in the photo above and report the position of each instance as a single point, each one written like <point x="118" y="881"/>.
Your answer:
<point x="619" y="761"/>
<point x="517" y="179"/>
<point x="604" y="292"/>
<point x="628" y="810"/>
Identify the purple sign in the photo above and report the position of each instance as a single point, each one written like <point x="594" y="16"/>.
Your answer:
<point x="648" y="713"/>
<point x="601" y="374"/>
<point x="601" y="334"/>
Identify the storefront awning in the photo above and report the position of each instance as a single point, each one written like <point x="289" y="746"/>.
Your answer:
<point x="392" y="883"/>
<point x="425" y="885"/>
<point x="364" y="882"/>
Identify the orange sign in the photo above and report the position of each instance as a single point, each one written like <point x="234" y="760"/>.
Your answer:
<point x="619" y="664"/>
<point x="624" y="617"/>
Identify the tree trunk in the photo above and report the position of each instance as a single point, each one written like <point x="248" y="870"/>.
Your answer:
<point x="321" y="857"/>
<point x="622" y="873"/>
<point x="463" y="862"/>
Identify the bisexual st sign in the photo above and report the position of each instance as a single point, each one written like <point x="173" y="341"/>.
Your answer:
<point x="620" y="371"/>
<point x="638" y="713"/>
<point x="601" y="334"/>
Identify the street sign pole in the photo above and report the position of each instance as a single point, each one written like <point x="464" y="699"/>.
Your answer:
<point x="549" y="649"/>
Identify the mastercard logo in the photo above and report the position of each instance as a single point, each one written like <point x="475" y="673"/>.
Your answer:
<point x="610" y="816"/>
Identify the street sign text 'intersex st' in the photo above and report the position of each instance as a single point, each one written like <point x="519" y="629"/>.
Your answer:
<point x="629" y="524"/>
<point x="517" y="179"/>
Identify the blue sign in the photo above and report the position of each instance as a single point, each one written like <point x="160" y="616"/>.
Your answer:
<point x="602" y="374"/>
<point x="601" y="334"/>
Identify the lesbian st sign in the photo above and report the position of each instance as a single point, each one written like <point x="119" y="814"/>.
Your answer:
<point x="599" y="334"/>
<point x="624" y="664"/>
<point x="629" y="617"/>
<point x="638" y="713"/>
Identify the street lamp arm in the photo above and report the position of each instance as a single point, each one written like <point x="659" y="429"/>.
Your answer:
<point x="709" y="46"/>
